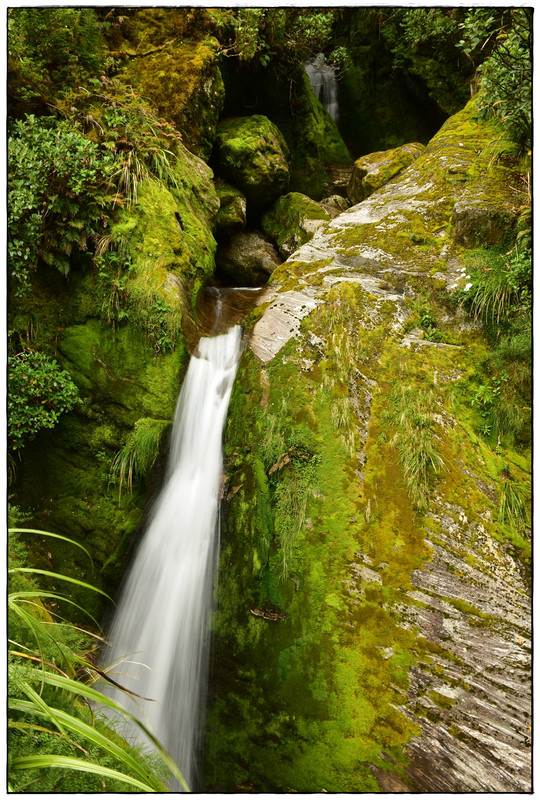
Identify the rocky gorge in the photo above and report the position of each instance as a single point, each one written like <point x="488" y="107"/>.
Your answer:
<point x="371" y="629"/>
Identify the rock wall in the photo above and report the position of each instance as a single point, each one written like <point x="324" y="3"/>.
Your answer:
<point x="372" y="630"/>
<point x="123" y="331"/>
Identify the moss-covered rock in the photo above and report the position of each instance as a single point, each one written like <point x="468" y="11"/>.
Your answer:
<point x="365" y="573"/>
<point x="292" y="221"/>
<point x="248" y="259"/>
<point x="374" y="170"/>
<point x="251" y="152"/>
<point x="231" y="217"/>
<point x="184" y="83"/>
<point x="312" y="136"/>
<point x="118" y="331"/>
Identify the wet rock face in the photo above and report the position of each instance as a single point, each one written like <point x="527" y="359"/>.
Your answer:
<point x="404" y="659"/>
<point x="251" y="152"/>
<point x="371" y="172"/>
<point x="248" y="259"/>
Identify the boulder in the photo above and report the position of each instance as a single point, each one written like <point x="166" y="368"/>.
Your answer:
<point x="252" y="153"/>
<point x="248" y="259"/>
<point x="481" y="220"/>
<point x="374" y="170"/>
<point x="292" y="221"/>
<point x="231" y="217"/>
<point x="335" y="204"/>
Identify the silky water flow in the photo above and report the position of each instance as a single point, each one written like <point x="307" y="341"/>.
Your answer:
<point x="159" y="637"/>
<point x="322" y="78"/>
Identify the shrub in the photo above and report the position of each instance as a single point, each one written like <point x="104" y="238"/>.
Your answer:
<point x="38" y="393"/>
<point x="59" y="184"/>
<point x="506" y="76"/>
<point x="51" y="49"/>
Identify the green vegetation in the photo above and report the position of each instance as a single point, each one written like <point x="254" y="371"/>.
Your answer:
<point x="56" y="725"/>
<point x="38" y="393"/>
<point x="411" y="415"/>
<point x="59" y="183"/>
<point x="139" y="453"/>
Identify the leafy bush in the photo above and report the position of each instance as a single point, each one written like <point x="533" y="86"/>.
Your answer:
<point x="506" y="76"/>
<point x="59" y="184"/>
<point x="261" y="34"/>
<point x="51" y="49"/>
<point x="38" y="393"/>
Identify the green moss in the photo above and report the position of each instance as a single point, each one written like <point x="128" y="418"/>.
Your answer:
<point x="290" y="221"/>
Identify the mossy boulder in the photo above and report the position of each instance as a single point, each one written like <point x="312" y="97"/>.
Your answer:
<point x="374" y="170"/>
<point x="231" y="217"/>
<point x="184" y="83"/>
<point x="252" y="153"/>
<point x="312" y="136"/>
<point x="292" y="221"/>
<point x="359" y="590"/>
<point x="248" y="259"/>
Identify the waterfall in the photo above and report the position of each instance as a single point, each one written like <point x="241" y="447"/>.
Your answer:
<point x="323" y="82"/>
<point x="159" y="636"/>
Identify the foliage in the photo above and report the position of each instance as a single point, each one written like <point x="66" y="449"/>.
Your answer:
<point x="55" y="714"/>
<point x="51" y="49"/>
<point x="38" y="393"/>
<point x="138" y="455"/>
<point x="501" y="285"/>
<point x="411" y="413"/>
<point x="281" y="35"/>
<point x="59" y="184"/>
<point x="500" y="294"/>
<point x="506" y="76"/>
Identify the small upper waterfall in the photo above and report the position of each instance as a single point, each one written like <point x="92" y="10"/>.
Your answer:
<point x="323" y="82"/>
<point x="159" y="635"/>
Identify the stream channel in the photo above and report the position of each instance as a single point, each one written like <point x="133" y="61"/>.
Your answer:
<point x="159" y="639"/>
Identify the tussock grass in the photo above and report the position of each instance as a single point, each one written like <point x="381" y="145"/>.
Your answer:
<point x="412" y="410"/>
<point x="513" y="503"/>
<point x="138" y="455"/>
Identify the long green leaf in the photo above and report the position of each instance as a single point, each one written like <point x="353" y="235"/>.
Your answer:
<point x="47" y="761"/>
<point x="59" y="577"/>
<point x="91" y="734"/>
<point x="38" y="703"/>
<point x="54" y="596"/>
<point x="76" y="687"/>
<point x="52" y="536"/>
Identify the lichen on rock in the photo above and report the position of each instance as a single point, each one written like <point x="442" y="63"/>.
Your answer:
<point x="371" y="172"/>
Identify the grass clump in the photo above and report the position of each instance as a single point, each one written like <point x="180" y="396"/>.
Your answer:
<point x="412" y="414"/>
<point x="138" y="455"/>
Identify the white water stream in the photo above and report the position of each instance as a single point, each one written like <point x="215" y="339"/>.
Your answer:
<point x="159" y="636"/>
<point x="322" y="78"/>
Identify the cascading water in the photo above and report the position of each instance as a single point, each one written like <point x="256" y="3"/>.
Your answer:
<point x="159" y="636"/>
<point x="322" y="78"/>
